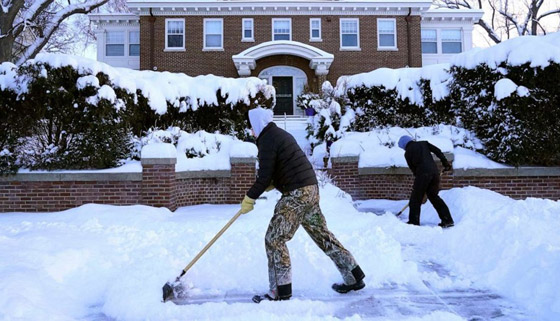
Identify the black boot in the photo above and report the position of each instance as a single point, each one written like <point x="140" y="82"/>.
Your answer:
<point x="284" y="293"/>
<point x="446" y="225"/>
<point x="345" y="288"/>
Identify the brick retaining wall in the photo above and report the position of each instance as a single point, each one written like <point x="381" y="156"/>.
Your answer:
<point x="396" y="182"/>
<point x="158" y="185"/>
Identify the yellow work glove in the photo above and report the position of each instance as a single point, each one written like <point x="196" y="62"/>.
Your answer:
<point x="247" y="205"/>
<point x="269" y="188"/>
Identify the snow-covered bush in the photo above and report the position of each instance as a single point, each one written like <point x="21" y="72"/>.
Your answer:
<point x="308" y="99"/>
<point x="87" y="111"/>
<point x="331" y="119"/>
<point x="508" y="95"/>
<point x="79" y="124"/>
<point x="15" y="122"/>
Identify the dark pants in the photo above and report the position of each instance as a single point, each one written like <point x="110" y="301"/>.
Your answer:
<point x="427" y="184"/>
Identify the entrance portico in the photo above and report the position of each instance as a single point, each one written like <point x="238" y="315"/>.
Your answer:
<point x="289" y="66"/>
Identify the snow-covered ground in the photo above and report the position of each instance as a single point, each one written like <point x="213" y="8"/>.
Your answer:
<point x="99" y="262"/>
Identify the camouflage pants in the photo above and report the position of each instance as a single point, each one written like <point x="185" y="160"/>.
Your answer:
<point x="295" y="208"/>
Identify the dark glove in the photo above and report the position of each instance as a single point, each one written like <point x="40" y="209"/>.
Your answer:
<point x="447" y="167"/>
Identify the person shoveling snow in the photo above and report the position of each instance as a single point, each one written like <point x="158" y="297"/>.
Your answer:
<point x="284" y="166"/>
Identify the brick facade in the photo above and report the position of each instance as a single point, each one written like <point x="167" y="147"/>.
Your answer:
<point x="194" y="61"/>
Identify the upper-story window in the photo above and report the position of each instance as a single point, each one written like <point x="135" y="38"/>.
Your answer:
<point x="281" y="29"/>
<point x="429" y="41"/>
<point x="114" y="43"/>
<point x="248" y="32"/>
<point x="349" y="33"/>
<point x="451" y="41"/>
<point x="213" y="33"/>
<point x="174" y="33"/>
<point x="315" y="29"/>
<point x="134" y="43"/>
<point x="386" y="34"/>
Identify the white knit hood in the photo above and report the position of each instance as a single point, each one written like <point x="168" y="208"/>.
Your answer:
<point x="259" y="118"/>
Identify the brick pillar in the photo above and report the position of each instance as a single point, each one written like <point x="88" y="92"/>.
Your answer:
<point x="345" y="174"/>
<point x="158" y="176"/>
<point x="243" y="176"/>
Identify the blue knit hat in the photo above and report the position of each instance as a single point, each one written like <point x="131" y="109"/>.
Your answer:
<point x="404" y="140"/>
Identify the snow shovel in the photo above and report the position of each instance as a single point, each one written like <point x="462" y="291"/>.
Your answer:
<point x="175" y="290"/>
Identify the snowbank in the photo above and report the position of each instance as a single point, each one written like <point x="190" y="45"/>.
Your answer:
<point x="538" y="51"/>
<point x="98" y="261"/>
<point x="404" y="80"/>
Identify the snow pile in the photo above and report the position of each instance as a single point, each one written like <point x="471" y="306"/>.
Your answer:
<point x="159" y="88"/>
<point x="378" y="148"/>
<point x="100" y="262"/>
<point x="538" y="51"/>
<point x="197" y="151"/>
<point x="404" y="80"/>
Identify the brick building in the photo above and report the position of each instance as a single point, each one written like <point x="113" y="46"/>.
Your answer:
<point x="293" y="44"/>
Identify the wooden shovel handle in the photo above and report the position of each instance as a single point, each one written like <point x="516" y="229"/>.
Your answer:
<point x="228" y="224"/>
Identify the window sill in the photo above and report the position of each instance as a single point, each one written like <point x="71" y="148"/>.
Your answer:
<point x="387" y="49"/>
<point x="174" y="50"/>
<point x="212" y="49"/>
<point x="315" y="40"/>
<point x="351" y="49"/>
<point x="247" y="40"/>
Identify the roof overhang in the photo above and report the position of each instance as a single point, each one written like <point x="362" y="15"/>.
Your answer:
<point x="267" y="7"/>
<point x="447" y="14"/>
<point x="319" y="60"/>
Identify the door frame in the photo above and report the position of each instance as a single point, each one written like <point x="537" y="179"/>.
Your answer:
<point x="299" y="80"/>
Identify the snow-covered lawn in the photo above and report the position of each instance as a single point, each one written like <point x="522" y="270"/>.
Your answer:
<point x="99" y="262"/>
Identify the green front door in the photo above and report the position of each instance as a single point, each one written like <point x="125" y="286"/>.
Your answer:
<point x="284" y="95"/>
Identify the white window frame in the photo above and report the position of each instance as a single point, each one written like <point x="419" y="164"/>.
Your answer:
<point x="441" y="41"/>
<point x="167" y="48"/>
<point x="131" y="43"/>
<point x="281" y="19"/>
<point x="437" y="41"/>
<point x="204" y="47"/>
<point x="357" y="47"/>
<point x="311" y="38"/>
<point x="124" y="43"/>
<point x="382" y="48"/>
<point x="243" y="38"/>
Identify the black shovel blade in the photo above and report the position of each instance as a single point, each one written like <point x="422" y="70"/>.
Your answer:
<point x="168" y="293"/>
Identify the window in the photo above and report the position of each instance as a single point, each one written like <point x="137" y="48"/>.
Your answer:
<point x="429" y="41"/>
<point x="213" y="33"/>
<point x="248" y="30"/>
<point x="114" y="43"/>
<point x="386" y="34"/>
<point x="315" y="29"/>
<point x="349" y="34"/>
<point x="281" y="29"/>
<point x="174" y="33"/>
<point x="451" y="41"/>
<point x="134" y="43"/>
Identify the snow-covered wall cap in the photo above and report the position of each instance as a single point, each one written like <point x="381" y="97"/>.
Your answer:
<point x="345" y="148"/>
<point x="539" y="51"/>
<point x="159" y="150"/>
<point x="243" y="150"/>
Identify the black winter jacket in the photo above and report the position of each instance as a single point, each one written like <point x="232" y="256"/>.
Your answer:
<point x="281" y="162"/>
<point x="419" y="157"/>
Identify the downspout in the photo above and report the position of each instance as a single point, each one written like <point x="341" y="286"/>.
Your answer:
<point x="408" y="18"/>
<point x="152" y="20"/>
